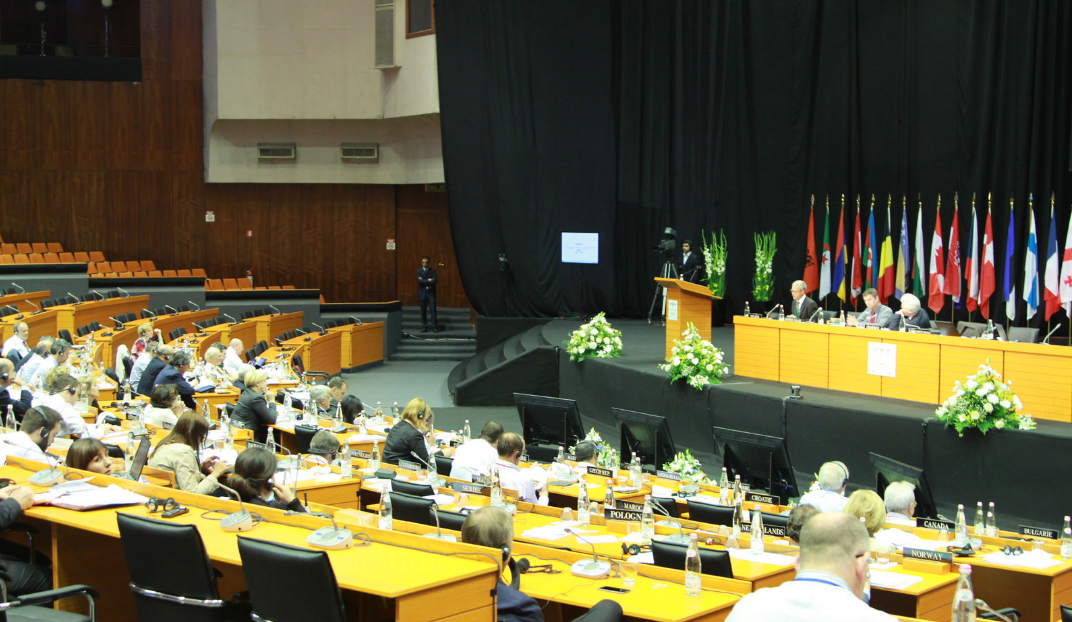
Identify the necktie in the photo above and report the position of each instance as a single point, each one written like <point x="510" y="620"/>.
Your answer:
<point x="872" y="317"/>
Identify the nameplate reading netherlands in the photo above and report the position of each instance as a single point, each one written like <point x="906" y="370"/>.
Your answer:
<point x="768" y="529"/>
<point x="629" y="505"/>
<point x="1038" y="532"/>
<point x="625" y="515"/>
<point x="931" y="556"/>
<point x="762" y="497"/>
<point x="600" y="472"/>
<point x="935" y="523"/>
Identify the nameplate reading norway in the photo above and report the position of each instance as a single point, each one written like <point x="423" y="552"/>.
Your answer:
<point x="1038" y="532"/>
<point x="760" y="497"/>
<point x="600" y="472"/>
<point x="411" y="466"/>
<point x="936" y="523"/>
<point x="629" y="505"/>
<point x="625" y="515"/>
<point x="931" y="556"/>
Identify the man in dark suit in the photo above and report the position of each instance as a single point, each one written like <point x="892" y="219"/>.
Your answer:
<point x="692" y="264"/>
<point x="802" y="306"/>
<point x="172" y="373"/>
<point x="148" y="377"/>
<point x="910" y="314"/>
<point x="426" y="285"/>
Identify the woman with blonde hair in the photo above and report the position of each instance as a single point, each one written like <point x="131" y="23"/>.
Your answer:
<point x="414" y="432"/>
<point x="254" y="411"/>
<point x="868" y="506"/>
<point x="146" y="333"/>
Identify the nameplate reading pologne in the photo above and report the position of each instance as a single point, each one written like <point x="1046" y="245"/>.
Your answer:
<point x="600" y="472"/>
<point x="467" y="487"/>
<point x="1038" y="532"/>
<point x="674" y="477"/>
<point x="762" y="497"/>
<point x="629" y="505"/>
<point x="936" y="523"/>
<point x="931" y="556"/>
<point x="406" y="464"/>
<point x="625" y="515"/>
<point x="364" y="455"/>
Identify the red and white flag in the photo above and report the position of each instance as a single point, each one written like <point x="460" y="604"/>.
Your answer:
<point x="1066" y="271"/>
<point x="971" y="264"/>
<point x="952" y="264"/>
<point x="936" y="295"/>
<point x="987" y="281"/>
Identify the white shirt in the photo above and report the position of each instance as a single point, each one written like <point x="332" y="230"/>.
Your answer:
<point x="475" y="457"/>
<point x="900" y="519"/>
<point x="813" y="597"/>
<point x="825" y="500"/>
<point x="232" y="362"/>
<point x="139" y="368"/>
<point x="38" y="377"/>
<point x="73" y="423"/>
<point x="513" y="478"/>
<point x="15" y="343"/>
<point x="899" y="538"/>
<point x="21" y="445"/>
<point x="29" y="367"/>
<point x="159" y="416"/>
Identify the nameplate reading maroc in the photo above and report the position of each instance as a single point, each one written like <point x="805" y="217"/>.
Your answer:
<point x="364" y="455"/>
<point x="762" y="497"/>
<point x="936" y="523"/>
<point x="882" y="359"/>
<point x="600" y="471"/>
<point x="931" y="556"/>
<point x="629" y="505"/>
<point x="1038" y="532"/>
<point x="674" y="477"/>
<point x="467" y="487"/>
<point x="412" y="466"/>
<point x="625" y="515"/>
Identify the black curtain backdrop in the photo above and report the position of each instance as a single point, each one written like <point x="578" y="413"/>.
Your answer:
<point x="626" y="116"/>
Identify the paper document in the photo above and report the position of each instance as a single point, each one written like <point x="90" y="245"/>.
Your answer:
<point x="893" y="580"/>
<point x="773" y="559"/>
<point x="98" y="498"/>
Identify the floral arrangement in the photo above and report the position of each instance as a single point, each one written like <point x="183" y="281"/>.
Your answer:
<point x="688" y="467"/>
<point x="763" y="281"/>
<point x="695" y="359"/>
<point x="606" y="456"/>
<point x="983" y="402"/>
<point x="715" y="255"/>
<point x="596" y="338"/>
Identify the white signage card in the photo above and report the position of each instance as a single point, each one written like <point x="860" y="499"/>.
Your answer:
<point x="671" y="310"/>
<point x="882" y="359"/>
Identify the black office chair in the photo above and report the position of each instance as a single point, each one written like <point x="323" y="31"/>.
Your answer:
<point x="128" y="317"/>
<point x="8" y="310"/>
<point x="260" y="347"/>
<point x="449" y="520"/>
<point x="712" y="514"/>
<point x="177" y="332"/>
<point x="410" y="508"/>
<point x="301" y="331"/>
<point x="409" y="488"/>
<point x="48" y="302"/>
<point x="1066" y="613"/>
<point x="65" y="335"/>
<point x="667" y="504"/>
<point x="279" y="339"/>
<point x="251" y="355"/>
<point x="712" y="562"/>
<point x="146" y="314"/>
<point x="128" y="365"/>
<point x="297" y="364"/>
<point x="113" y="293"/>
<point x="82" y="331"/>
<point x="184" y="308"/>
<point x="110" y="372"/>
<point x="303" y="435"/>
<point x="94" y="325"/>
<point x="287" y="336"/>
<point x="778" y="520"/>
<point x="7" y="291"/>
<point x="443" y="464"/>
<point x="27" y="607"/>
<point x="185" y="587"/>
<point x="1023" y="334"/>
<point x="309" y="573"/>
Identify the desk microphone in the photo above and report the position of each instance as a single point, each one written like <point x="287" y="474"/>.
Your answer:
<point x="589" y="568"/>
<point x="197" y="306"/>
<point x="96" y="295"/>
<point x="981" y="604"/>
<point x="76" y="299"/>
<point x="33" y="305"/>
<point x="125" y="293"/>
<point x="173" y="309"/>
<point x="118" y="325"/>
<point x="21" y="289"/>
<point x="241" y="520"/>
<point x="433" y="476"/>
<point x="318" y="326"/>
<point x="438" y="535"/>
<point x="357" y="321"/>
<point x="46" y="477"/>
<point x="273" y="308"/>
<point x="233" y="321"/>
<point x="1046" y="339"/>
<point x="820" y="310"/>
<point x="680" y="538"/>
<point x="151" y="314"/>
<point x="332" y="538"/>
<point x="773" y="309"/>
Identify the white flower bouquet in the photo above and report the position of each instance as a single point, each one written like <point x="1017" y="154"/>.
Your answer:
<point x="763" y="280"/>
<point x="688" y="467"/>
<point x="607" y="456"/>
<point x="596" y="338"/>
<point x="695" y="359"/>
<point x="983" y="402"/>
<point x="715" y="255"/>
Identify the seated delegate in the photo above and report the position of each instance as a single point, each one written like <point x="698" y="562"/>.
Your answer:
<point x="179" y="452"/>
<point x="413" y="432"/>
<point x="252" y="480"/>
<point x="254" y="410"/>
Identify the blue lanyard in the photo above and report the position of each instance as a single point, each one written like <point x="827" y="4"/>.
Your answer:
<point x="820" y="581"/>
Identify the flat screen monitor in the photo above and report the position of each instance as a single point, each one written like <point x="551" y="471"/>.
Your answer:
<point x="580" y="247"/>
<point x="547" y="423"/>
<point x="888" y="470"/>
<point x="647" y="435"/>
<point x="761" y="461"/>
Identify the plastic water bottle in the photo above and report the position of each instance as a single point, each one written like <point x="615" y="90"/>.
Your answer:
<point x="395" y="410"/>
<point x="737" y="489"/>
<point x="496" y="490"/>
<point x="964" y="599"/>
<point x="693" y="580"/>
<point x="128" y="455"/>
<point x="347" y="462"/>
<point x="844" y="322"/>
<point x="991" y="522"/>
<point x="980" y="524"/>
<point x="724" y="488"/>
<point x="747" y="312"/>
<point x="127" y="396"/>
<point x="634" y="472"/>
<point x="374" y="461"/>
<point x="362" y="428"/>
<point x="338" y="415"/>
<point x="647" y="521"/>
<point x="561" y="457"/>
<point x="288" y="402"/>
<point x="962" y="525"/>
<point x="583" y="514"/>
<point x="1066" y="540"/>
<point x="10" y="422"/>
<point x="467" y="433"/>
<point x="385" y="521"/>
<point x="608" y="497"/>
<point x="756" y="544"/>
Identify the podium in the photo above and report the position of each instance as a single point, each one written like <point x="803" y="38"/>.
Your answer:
<point x="686" y="302"/>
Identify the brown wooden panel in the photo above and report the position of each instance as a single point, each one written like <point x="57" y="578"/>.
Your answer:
<point x="185" y="52"/>
<point x="848" y="362"/>
<point x="803" y="358"/>
<point x="424" y="229"/>
<point x="917" y="372"/>
<point x="756" y="351"/>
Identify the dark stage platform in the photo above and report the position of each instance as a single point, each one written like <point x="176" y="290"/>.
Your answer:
<point x="1024" y="473"/>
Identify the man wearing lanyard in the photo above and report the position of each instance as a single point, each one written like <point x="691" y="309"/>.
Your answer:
<point x="831" y="576"/>
<point x="876" y="313"/>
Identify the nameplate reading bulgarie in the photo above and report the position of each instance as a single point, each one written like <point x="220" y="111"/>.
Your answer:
<point x="629" y="505"/>
<point x="467" y="487"/>
<point x="674" y="477"/>
<point x="936" y="523"/>
<point x="406" y="464"/>
<point x="931" y="556"/>
<point x="625" y="515"/>
<point x="357" y="453"/>
<point x="762" y="497"/>
<point x="1038" y="532"/>
<point x="600" y="472"/>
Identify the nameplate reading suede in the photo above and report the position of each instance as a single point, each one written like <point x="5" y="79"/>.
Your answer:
<point x="467" y="487"/>
<point x="357" y="453"/>
<point x="931" y="556"/>
<point x="406" y="464"/>
<point x="674" y="477"/>
<point x="762" y="497"/>
<point x="625" y="515"/>
<point x="600" y="472"/>
<point x="1038" y="532"/>
<point x="629" y="505"/>
<point x="936" y="523"/>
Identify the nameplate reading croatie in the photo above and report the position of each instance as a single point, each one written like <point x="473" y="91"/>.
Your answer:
<point x="467" y="487"/>
<point x="936" y="523"/>
<point x="629" y="505"/>
<point x="1038" y="532"/>
<point x="674" y="477"/>
<point x="762" y="497"/>
<point x="931" y="556"/>
<point x="364" y="455"/>
<point x="600" y="472"/>
<point x="406" y="464"/>
<point x="625" y="515"/>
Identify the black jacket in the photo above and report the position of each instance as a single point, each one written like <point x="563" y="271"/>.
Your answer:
<point x="148" y="377"/>
<point x="402" y="439"/>
<point x="254" y="412"/>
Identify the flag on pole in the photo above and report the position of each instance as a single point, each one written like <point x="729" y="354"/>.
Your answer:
<point x="857" y="277"/>
<point x="1053" y="295"/>
<point x="952" y="263"/>
<point x="839" y="285"/>
<point x="903" y="269"/>
<point x="919" y="266"/>
<point x="971" y="265"/>
<point x="986" y="269"/>
<point x="824" y="268"/>
<point x="870" y="261"/>
<point x="886" y="282"/>
<point x="1066" y="271"/>
<point x="1010" y="254"/>
<point x="1031" y="284"/>
<point x="936" y="296"/>
<point x="811" y="268"/>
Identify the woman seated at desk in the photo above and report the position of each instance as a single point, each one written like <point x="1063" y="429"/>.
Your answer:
<point x="415" y="432"/>
<point x="89" y="454"/>
<point x="252" y="480"/>
<point x="146" y="333"/>
<point x="254" y="410"/>
<point x="351" y="408"/>
<point x="179" y="453"/>
<point x="164" y="407"/>
<point x="867" y="505"/>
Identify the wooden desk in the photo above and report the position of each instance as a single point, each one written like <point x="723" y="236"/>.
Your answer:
<point x="268" y="326"/>
<point x="75" y="315"/>
<point x="361" y="344"/>
<point x="319" y="352"/>
<point x="40" y="324"/>
<point x="23" y="301"/>
<point x="927" y="365"/>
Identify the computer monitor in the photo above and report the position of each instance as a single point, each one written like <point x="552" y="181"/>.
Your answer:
<point x="888" y="470"/>
<point x="761" y="461"/>
<point x="647" y="435"/>
<point x="547" y="423"/>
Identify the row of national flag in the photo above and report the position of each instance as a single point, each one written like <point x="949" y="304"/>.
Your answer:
<point x="895" y="268"/>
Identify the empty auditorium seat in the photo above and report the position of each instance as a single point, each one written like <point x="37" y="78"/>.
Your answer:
<point x="199" y="272"/>
<point x="230" y="283"/>
<point x="39" y="247"/>
<point x="103" y="266"/>
<point x="148" y="265"/>
<point x="214" y="284"/>
<point x="8" y="249"/>
<point x="21" y="258"/>
<point x="67" y="258"/>
<point x="36" y="258"/>
<point x="119" y="266"/>
<point x="288" y="287"/>
<point x="51" y="257"/>
<point x="155" y="273"/>
<point x="55" y="247"/>
<point x="244" y="284"/>
<point x="25" y="247"/>
<point x="6" y="259"/>
<point x="82" y="257"/>
<point x="170" y="273"/>
<point x="184" y="272"/>
<point x="141" y="274"/>
<point x="96" y="256"/>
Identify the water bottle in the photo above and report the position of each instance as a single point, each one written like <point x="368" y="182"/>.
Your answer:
<point x="692" y="567"/>
<point x="496" y="490"/>
<point x="561" y="457"/>
<point x="374" y="461"/>
<point x="961" y="534"/>
<point x="724" y="487"/>
<point x="362" y="428"/>
<point x="10" y="422"/>
<point x="738" y="517"/>
<point x="991" y="522"/>
<point x="844" y="322"/>
<point x="338" y="415"/>
<point x="347" y="462"/>
<point x="395" y="411"/>
<point x="608" y="496"/>
<point x="385" y="521"/>
<point x="980" y="525"/>
<point x="288" y="402"/>
<point x="582" y="503"/>
<point x="128" y="454"/>
<point x="467" y="433"/>
<point x="757" y="531"/>
<point x="127" y="396"/>
<point x="737" y="489"/>
<point x="747" y="312"/>
<point x="1066" y="540"/>
<point x="634" y="472"/>
<point x="647" y="521"/>
<point x="964" y="599"/>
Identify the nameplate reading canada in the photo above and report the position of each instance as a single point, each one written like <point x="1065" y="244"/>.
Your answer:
<point x="762" y="497"/>
<point x="931" y="556"/>
<point x="600" y="472"/>
<point x="625" y="515"/>
<point x="1038" y="532"/>
<point x="936" y="523"/>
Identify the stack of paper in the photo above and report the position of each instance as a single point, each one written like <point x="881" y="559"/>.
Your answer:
<point x="98" y="498"/>
<point x="893" y="580"/>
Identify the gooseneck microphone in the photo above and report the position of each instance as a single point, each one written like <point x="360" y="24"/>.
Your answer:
<point x="21" y="289"/>
<point x="1046" y="339"/>
<point x="273" y="308"/>
<point x="38" y="309"/>
<point x="438" y="535"/>
<point x="196" y="306"/>
<point x="151" y="314"/>
<point x="433" y="476"/>
<point x="356" y="320"/>
<point x="241" y="520"/>
<point x="318" y="326"/>
<point x="173" y="309"/>
<point x="125" y="293"/>
<point x="118" y="325"/>
<point x="680" y="538"/>
<point x="594" y="568"/>
<point x="233" y="321"/>
<point x="817" y="312"/>
<point x="773" y="309"/>
<point x="332" y="538"/>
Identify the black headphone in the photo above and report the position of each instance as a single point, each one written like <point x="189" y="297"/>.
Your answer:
<point x="420" y="416"/>
<point x="160" y="504"/>
<point x="3" y="376"/>
<point x="843" y="468"/>
<point x="634" y="549"/>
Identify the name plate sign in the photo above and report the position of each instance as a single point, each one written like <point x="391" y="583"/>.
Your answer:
<point x="600" y="472"/>
<point x="769" y="530"/>
<point x="467" y="487"/>
<point x="256" y="445"/>
<point x="674" y="477"/>
<point x="1038" y="532"/>
<point x="931" y="556"/>
<point x="406" y="464"/>
<point x="625" y="515"/>
<point x="762" y="497"/>
<point x="629" y="505"/>
<point x="936" y="523"/>
<point x="364" y="455"/>
<point x="571" y="457"/>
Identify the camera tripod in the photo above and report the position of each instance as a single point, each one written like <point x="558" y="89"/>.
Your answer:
<point x="669" y="271"/>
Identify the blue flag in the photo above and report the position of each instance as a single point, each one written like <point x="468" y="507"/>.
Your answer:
<point x="1031" y="284"/>
<point x="872" y="243"/>
<point x="1010" y="256"/>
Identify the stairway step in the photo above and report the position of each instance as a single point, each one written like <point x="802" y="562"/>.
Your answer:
<point x="474" y="366"/>
<point x="512" y="347"/>
<point x="424" y="356"/>
<point x="407" y="346"/>
<point x="493" y="357"/>
<point x="533" y="338"/>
